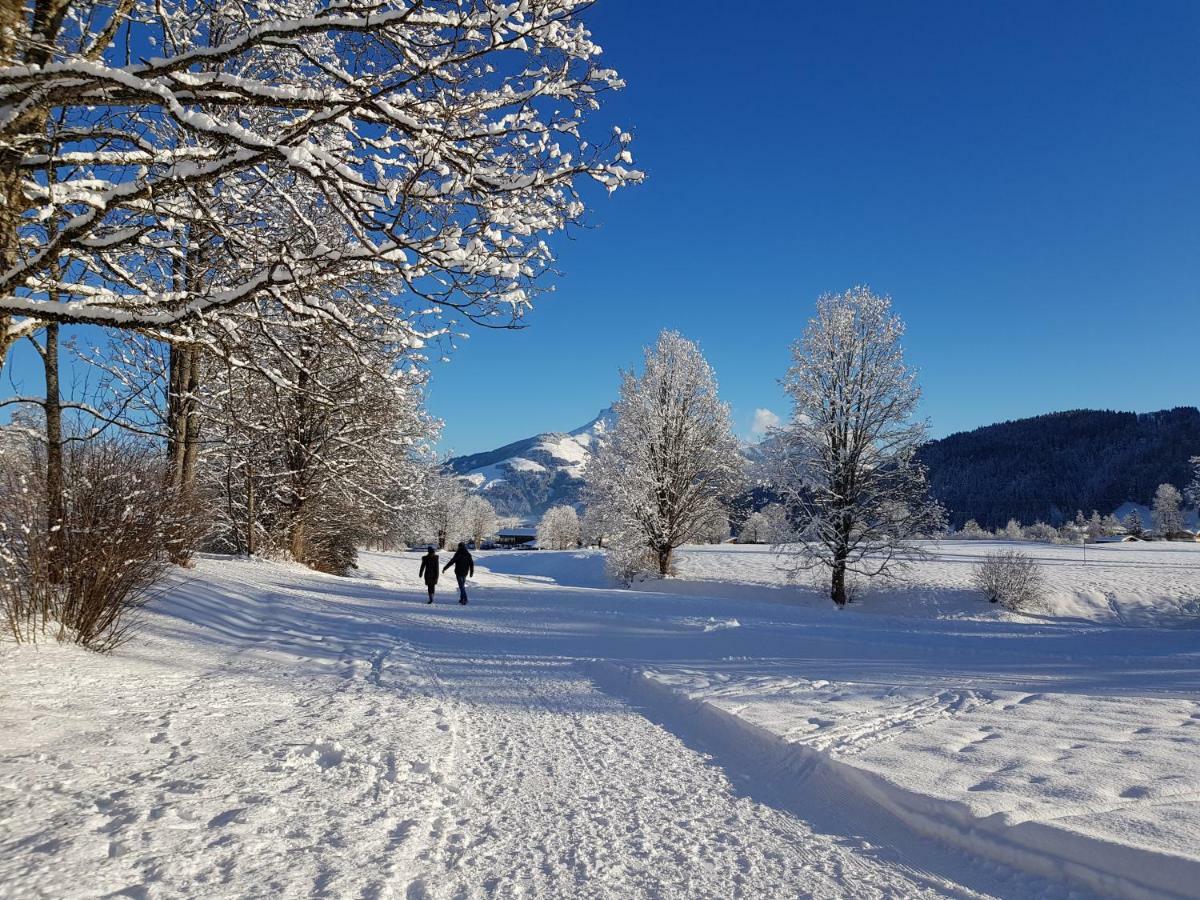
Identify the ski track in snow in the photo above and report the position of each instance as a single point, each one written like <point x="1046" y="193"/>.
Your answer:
<point x="275" y="732"/>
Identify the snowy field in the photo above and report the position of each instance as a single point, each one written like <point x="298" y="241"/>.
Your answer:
<point x="275" y="732"/>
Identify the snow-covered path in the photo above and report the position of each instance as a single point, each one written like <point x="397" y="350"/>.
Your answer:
<point x="275" y="732"/>
<point x="559" y="790"/>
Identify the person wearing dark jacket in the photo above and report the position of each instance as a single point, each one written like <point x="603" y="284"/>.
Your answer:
<point x="464" y="565"/>
<point x="429" y="571"/>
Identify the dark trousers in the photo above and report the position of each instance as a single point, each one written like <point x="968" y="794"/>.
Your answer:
<point x="462" y="587"/>
<point x="431" y="585"/>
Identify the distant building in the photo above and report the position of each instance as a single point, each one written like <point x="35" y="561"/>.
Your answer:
<point x="515" y="537"/>
<point x="1116" y="539"/>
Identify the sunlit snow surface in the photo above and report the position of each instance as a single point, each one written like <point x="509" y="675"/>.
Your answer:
<point x="725" y="733"/>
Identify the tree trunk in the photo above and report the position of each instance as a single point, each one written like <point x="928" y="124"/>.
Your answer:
<point x="664" y="560"/>
<point x="838" y="582"/>
<point x="54" y="454"/>
<point x="297" y="538"/>
<point x="183" y="417"/>
<point x="249" y="510"/>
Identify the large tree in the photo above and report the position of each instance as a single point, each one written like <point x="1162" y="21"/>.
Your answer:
<point x="161" y="160"/>
<point x="846" y="462"/>
<point x="671" y="458"/>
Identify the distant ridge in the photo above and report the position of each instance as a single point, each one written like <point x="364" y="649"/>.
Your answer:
<point x="1047" y="467"/>
<point x="1040" y="468"/>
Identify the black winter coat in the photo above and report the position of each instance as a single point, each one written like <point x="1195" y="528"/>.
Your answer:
<point x="463" y="563"/>
<point x="429" y="568"/>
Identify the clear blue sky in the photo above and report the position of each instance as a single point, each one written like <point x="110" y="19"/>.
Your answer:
<point x="1023" y="178"/>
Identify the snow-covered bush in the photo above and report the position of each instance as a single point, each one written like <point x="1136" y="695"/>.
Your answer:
<point x="972" y="532"/>
<point x="559" y="529"/>
<point x="1012" y="531"/>
<point x="1040" y="531"/>
<point x="84" y="581"/>
<point x="1011" y="578"/>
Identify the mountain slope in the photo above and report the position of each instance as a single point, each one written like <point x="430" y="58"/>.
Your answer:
<point x="527" y="477"/>
<point x="1047" y="467"/>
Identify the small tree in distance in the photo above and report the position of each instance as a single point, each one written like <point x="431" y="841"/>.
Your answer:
<point x="1013" y="530"/>
<point x="754" y="529"/>
<point x="846" y="463"/>
<point x="1133" y="524"/>
<point x="559" y="529"/>
<point x="1167" y="512"/>
<point x="972" y="532"/>
<point x="479" y="519"/>
<point x="445" y="503"/>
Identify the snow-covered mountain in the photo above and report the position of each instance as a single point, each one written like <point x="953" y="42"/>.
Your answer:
<point x="527" y="477"/>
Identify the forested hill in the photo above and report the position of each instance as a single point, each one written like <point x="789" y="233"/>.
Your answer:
<point x="1049" y="466"/>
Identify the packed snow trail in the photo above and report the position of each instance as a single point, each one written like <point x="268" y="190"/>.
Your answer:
<point x="278" y="732"/>
<point x="558" y="790"/>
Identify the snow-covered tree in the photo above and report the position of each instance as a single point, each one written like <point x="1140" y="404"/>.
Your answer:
<point x="1133" y="523"/>
<point x="768" y="525"/>
<point x="479" y="519"/>
<point x="559" y="529"/>
<point x="754" y="530"/>
<point x="596" y="525"/>
<point x="1167" y="512"/>
<point x="971" y="531"/>
<point x="1013" y="531"/>
<point x="1040" y="531"/>
<point x="298" y="142"/>
<point x="714" y="529"/>
<point x="444" y="498"/>
<point x="1111" y="525"/>
<point x="846" y="462"/>
<point x="1193" y="489"/>
<point x="1095" y="526"/>
<point x="670" y="459"/>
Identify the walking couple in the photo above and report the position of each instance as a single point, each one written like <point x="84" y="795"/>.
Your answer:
<point x="464" y="566"/>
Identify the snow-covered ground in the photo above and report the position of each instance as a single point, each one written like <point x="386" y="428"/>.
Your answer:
<point x="275" y="732"/>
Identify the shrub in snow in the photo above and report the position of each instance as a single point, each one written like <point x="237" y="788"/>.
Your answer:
<point x="1011" y="578"/>
<point x="1013" y="531"/>
<point x="972" y="532"/>
<point x="628" y="561"/>
<point x="83" y="580"/>
<point x="1040" y="531"/>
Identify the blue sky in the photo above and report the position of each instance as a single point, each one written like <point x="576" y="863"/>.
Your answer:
<point x="1022" y="178"/>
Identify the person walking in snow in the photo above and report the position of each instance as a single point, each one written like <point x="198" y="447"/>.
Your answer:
<point x="464" y="565"/>
<point x="429" y="571"/>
